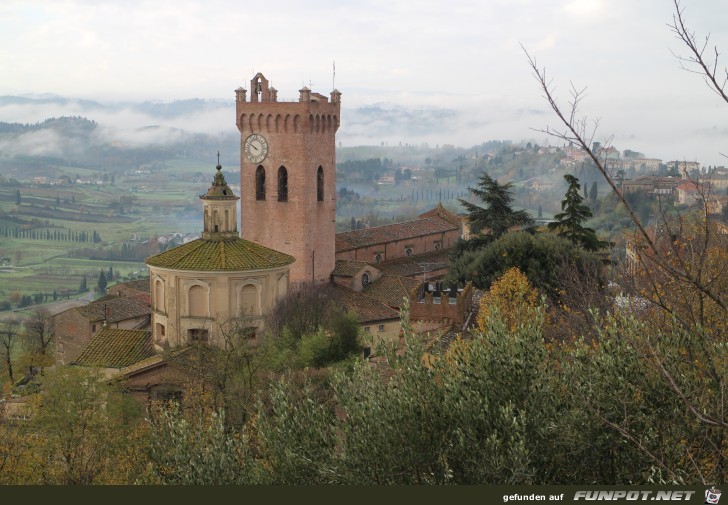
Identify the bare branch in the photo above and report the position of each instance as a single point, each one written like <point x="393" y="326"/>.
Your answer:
<point x="708" y="69"/>
<point x="575" y="131"/>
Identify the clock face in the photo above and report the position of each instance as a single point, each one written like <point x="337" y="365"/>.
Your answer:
<point x="256" y="148"/>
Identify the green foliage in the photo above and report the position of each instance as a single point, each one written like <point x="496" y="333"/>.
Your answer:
<point x="334" y="342"/>
<point x="296" y="436"/>
<point x="570" y="222"/>
<point x="85" y="425"/>
<point x="498" y="214"/>
<point x="102" y="282"/>
<point x="313" y="323"/>
<point x="198" y="452"/>
<point x="537" y="256"/>
<point x="313" y="349"/>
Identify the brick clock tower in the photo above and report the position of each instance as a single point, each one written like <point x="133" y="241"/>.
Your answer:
<point x="288" y="175"/>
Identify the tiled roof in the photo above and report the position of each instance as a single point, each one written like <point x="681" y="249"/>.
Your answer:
<point x="443" y="213"/>
<point x="139" y="365"/>
<point x="220" y="255"/>
<point x="138" y="285"/>
<point x="116" y="308"/>
<point x="366" y="308"/>
<point x="399" y="231"/>
<point x="348" y="268"/>
<point x="156" y="359"/>
<point x="115" y="348"/>
<point x="391" y="289"/>
<point x="412" y="265"/>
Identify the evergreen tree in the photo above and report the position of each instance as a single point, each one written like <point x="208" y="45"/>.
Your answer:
<point x="102" y="282"/>
<point x="498" y="214"/>
<point x="569" y="223"/>
<point x="17" y="197"/>
<point x="593" y="193"/>
<point x="83" y="287"/>
<point x="540" y="212"/>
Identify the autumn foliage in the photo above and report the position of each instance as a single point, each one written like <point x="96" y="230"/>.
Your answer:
<point x="512" y="298"/>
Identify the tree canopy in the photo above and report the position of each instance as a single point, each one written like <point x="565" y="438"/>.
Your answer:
<point x="570" y="222"/>
<point x="498" y="215"/>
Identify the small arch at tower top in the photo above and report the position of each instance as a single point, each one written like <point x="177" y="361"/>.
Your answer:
<point x="260" y="90"/>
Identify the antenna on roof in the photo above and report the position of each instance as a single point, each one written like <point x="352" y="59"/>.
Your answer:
<point x="333" y="78"/>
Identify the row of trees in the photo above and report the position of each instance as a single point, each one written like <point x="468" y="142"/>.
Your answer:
<point x="58" y="235"/>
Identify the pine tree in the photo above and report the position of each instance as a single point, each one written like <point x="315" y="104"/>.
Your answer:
<point x="569" y="223"/>
<point x="498" y="215"/>
<point x="17" y="197"/>
<point x="83" y="287"/>
<point x="593" y="192"/>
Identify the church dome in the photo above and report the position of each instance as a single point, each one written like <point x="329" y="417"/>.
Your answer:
<point x="220" y="256"/>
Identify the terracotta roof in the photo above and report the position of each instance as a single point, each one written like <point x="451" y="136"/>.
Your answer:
<point x="220" y="255"/>
<point x="157" y="359"/>
<point x="115" y="348"/>
<point x="366" y="308"/>
<point x="139" y="365"/>
<point x="348" y="268"/>
<point x="116" y="308"/>
<point x="688" y="186"/>
<point x="391" y="289"/>
<point x="413" y="265"/>
<point x="138" y="285"/>
<point x="391" y="232"/>
<point x="443" y="213"/>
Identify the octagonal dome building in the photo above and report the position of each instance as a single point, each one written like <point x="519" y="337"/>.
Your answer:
<point x="201" y="287"/>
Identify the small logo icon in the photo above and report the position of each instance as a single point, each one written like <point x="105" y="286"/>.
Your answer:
<point x="712" y="496"/>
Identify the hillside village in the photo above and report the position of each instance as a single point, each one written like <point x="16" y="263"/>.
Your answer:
<point x="281" y="311"/>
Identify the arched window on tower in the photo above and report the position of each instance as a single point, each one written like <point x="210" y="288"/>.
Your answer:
<point x="260" y="183"/>
<point x="320" y="184"/>
<point x="282" y="184"/>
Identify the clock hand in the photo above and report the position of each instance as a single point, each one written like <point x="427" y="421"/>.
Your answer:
<point x="251" y="145"/>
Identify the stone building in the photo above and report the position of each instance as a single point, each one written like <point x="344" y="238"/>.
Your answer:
<point x="199" y="287"/>
<point x="288" y="175"/>
<point x="432" y="231"/>
<point x="74" y="328"/>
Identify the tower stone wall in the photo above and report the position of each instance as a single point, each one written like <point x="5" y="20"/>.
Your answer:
<point x="288" y="198"/>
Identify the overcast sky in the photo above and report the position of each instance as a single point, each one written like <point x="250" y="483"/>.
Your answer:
<point x="459" y="55"/>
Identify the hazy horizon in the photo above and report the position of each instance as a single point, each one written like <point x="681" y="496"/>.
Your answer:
<point x="410" y="73"/>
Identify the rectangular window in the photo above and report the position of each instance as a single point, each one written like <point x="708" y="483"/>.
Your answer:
<point x="197" y="335"/>
<point x="381" y="327"/>
<point x="367" y="329"/>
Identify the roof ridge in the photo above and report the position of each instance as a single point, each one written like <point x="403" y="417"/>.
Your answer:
<point x="419" y="219"/>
